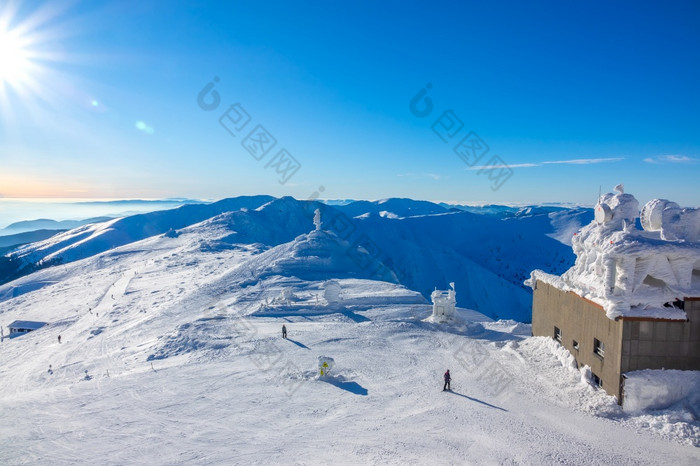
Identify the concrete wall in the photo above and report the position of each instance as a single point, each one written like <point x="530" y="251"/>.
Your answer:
<point x="580" y="320"/>
<point x="630" y="343"/>
<point x="654" y="344"/>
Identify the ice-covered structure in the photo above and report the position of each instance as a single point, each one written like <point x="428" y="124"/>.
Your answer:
<point x="632" y="299"/>
<point x="444" y="303"/>
<point x="325" y="365"/>
<point x="331" y="292"/>
<point x="317" y="220"/>
<point x="631" y="271"/>
<point x="287" y="295"/>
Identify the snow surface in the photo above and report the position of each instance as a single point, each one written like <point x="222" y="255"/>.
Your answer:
<point x="170" y="354"/>
<point x="661" y="389"/>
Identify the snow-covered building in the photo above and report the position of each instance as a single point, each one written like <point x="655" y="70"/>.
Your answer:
<point x="20" y="327"/>
<point x="444" y="302"/>
<point x="632" y="299"/>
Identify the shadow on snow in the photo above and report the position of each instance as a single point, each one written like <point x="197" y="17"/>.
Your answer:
<point x="340" y="382"/>
<point x="299" y="344"/>
<point x="477" y="400"/>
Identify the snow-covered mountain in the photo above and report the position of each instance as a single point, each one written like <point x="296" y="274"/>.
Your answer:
<point x="46" y="224"/>
<point x="171" y="352"/>
<point x="419" y="244"/>
<point x="392" y="208"/>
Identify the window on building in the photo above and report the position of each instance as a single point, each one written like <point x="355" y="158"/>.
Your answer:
<point x="597" y="380"/>
<point x="599" y="347"/>
<point x="557" y="333"/>
<point x="576" y="345"/>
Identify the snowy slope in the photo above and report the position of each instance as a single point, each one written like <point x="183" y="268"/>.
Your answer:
<point x="171" y="353"/>
<point x="488" y="256"/>
<point x="92" y="239"/>
<point x="23" y="238"/>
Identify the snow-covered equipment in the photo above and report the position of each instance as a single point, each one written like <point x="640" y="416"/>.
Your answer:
<point x="287" y="295"/>
<point x="670" y="220"/>
<point x="632" y="272"/>
<point x="444" y="303"/>
<point x="325" y="365"/>
<point x="331" y="292"/>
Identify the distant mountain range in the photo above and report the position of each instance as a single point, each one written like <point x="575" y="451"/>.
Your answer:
<point x="419" y="244"/>
<point x="47" y="224"/>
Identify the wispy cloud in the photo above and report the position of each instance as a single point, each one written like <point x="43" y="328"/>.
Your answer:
<point x="671" y="159"/>
<point x="585" y="161"/>
<point x="552" y="162"/>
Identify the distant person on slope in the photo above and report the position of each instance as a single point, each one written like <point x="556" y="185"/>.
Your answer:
<point x="448" y="378"/>
<point x="284" y="331"/>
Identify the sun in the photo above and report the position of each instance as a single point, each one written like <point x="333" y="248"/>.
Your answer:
<point x="31" y="44"/>
<point x="15" y="59"/>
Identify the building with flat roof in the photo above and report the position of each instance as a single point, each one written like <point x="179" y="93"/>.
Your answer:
<point x="20" y="327"/>
<point x="632" y="299"/>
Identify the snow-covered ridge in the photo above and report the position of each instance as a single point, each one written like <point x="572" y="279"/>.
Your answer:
<point x="422" y="244"/>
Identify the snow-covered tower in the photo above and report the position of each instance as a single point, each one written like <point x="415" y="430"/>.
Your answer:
<point x="631" y="301"/>
<point x="317" y="220"/>
<point x="444" y="302"/>
<point x="331" y="292"/>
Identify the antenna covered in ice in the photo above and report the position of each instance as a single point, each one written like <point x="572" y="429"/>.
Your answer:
<point x="317" y="219"/>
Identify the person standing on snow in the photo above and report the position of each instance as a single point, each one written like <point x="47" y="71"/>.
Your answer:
<point x="448" y="378"/>
<point x="284" y="331"/>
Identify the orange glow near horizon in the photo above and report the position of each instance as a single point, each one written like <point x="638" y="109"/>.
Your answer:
<point x="28" y="188"/>
<point x="22" y="187"/>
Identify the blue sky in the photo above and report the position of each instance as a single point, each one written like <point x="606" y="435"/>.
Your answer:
<point x="567" y="97"/>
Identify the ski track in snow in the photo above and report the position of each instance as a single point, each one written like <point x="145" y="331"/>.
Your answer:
<point x="224" y="388"/>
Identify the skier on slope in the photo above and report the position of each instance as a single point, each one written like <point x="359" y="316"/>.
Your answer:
<point x="284" y="331"/>
<point x="448" y="378"/>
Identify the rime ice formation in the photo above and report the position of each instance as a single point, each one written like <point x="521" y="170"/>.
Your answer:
<point x="444" y="303"/>
<point x="325" y="365"/>
<point x="331" y="292"/>
<point x="633" y="272"/>
<point x="317" y="219"/>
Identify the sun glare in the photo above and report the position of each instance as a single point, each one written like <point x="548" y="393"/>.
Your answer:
<point x="29" y="52"/>
<point x="14" y="59"/>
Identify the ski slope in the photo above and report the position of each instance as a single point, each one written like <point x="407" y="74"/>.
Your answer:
<point x="172" y="353"/>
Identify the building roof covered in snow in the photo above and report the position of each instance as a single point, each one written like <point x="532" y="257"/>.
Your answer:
<point x="631" y="271"/>
<point x="26" y="324"/>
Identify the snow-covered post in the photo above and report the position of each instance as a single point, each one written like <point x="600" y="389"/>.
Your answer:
<point x="317" y="219"/>
<point x="610" y="268"/>
<point x="331" y="292"/>
<point x="325" y="364"/>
